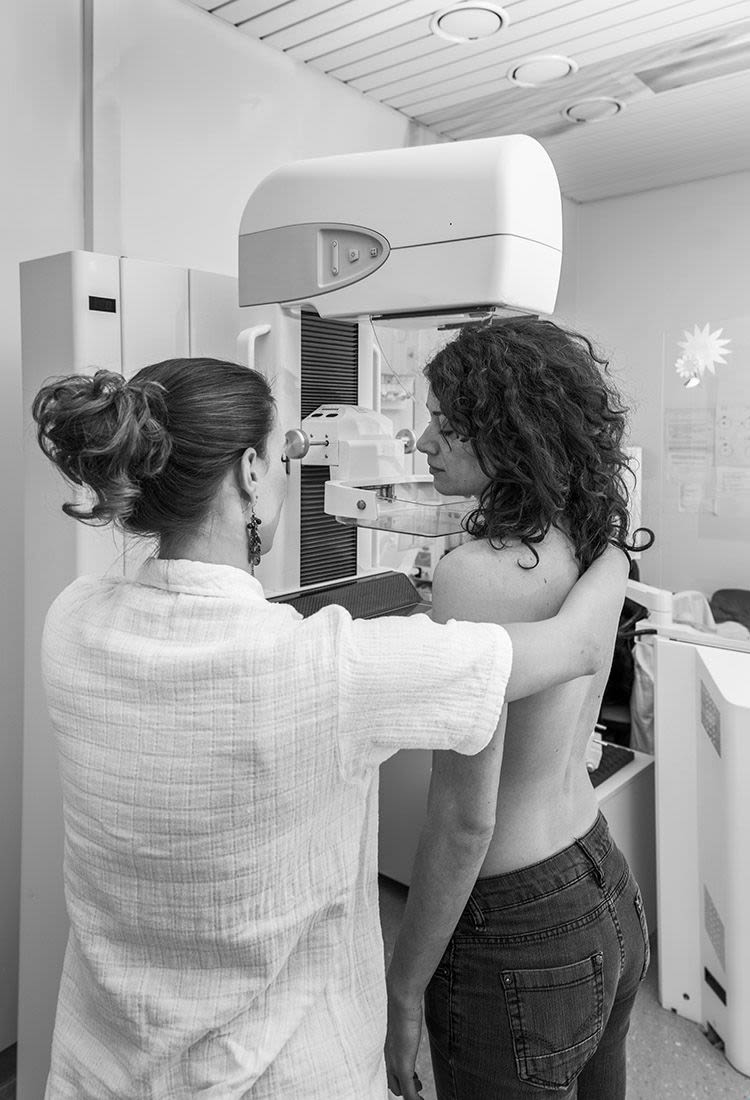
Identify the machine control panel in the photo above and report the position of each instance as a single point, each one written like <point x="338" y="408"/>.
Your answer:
<point x="346" y="253"/>
<point x="295" y="262"/>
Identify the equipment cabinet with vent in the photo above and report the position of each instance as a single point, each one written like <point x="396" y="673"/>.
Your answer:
<point x="722" y="702"/>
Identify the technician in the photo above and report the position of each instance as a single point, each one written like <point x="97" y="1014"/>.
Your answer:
<point x="219" y="755"/>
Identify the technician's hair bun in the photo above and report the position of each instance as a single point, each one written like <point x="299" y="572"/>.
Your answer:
<point x="105" y="434"/>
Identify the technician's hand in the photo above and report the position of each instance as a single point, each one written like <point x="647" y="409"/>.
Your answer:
<point x="401" y="1045"/>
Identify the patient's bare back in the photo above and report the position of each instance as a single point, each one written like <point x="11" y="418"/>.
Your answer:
<point x="545" y="798"/>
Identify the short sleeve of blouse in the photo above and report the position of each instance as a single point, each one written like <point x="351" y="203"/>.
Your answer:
<point x="409" y="683"/>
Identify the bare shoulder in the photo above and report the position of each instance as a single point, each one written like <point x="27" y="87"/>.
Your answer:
<point x="480" y="583"/>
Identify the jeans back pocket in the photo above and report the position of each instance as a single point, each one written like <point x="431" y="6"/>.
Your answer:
<point x="638" y="902"/>
<point x="556" y="1019"/>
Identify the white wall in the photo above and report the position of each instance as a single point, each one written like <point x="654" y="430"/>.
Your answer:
<point x="187" y="116"/>
<point x="41" y="211"/>
<point x="194" y="115"/>
<point x="646" y="267"/>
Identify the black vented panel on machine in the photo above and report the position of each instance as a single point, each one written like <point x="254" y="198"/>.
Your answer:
<point x="329" y="376"/>
<point x="329" y="363"/>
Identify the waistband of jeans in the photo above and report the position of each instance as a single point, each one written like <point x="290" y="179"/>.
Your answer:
<point x="584" y="855"/>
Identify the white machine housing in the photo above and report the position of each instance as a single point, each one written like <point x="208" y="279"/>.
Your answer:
<point x="354" y="442"/>
<point x="702" y="755"/>
<point x="370" y="485"/>
<point x="450" y="230"/>
<point x="723" y="765"/>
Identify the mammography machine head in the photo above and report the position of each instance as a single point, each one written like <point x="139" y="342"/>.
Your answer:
<point x="430" y="234"/>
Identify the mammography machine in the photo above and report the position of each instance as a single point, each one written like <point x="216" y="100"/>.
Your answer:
<point x="371" y="238"/>
<point x="430" y="236"/>
<point x="702" y="753"/>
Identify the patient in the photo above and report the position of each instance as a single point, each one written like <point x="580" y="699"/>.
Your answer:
<point x="524" y="928"/>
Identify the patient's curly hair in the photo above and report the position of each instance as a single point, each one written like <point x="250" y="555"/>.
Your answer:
<point x="546" y="424"/>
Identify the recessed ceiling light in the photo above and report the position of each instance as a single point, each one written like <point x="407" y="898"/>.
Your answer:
<point x="594" y="110"/>
<point x="469" y="21"/>
<point x="540" y="69"/>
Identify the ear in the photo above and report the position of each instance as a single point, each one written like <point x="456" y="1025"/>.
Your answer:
<point x="248" y="473"/>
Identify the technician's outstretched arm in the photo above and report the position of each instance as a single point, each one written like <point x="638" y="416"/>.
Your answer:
<point x="577" y="641"/>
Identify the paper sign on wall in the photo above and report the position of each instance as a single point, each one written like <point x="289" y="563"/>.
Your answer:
<point x="689" y="448"/>
<point x="733" y="435"/>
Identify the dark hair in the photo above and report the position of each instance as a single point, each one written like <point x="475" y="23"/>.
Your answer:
<point x="546" y="425"/>
<point x="154" y="449"/>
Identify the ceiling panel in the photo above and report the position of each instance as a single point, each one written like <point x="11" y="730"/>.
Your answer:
<point x="353" y="20"/>
<point x="652" y="146"/>
<point x="299" y="20"/>
<point x="425" y="67"/>
<point x="610" y="77"/>
<point x="601" y="43"/>
<point x="536" y="31"/>
<point x="502" y="116"/>
<point x="416" y="52"/>
<point x="687" y="19"/>
<point x="372" y="54"/>
<point x="348" y="33"/>
<point x="238" y="11"/>
<point x="384" y="49"/>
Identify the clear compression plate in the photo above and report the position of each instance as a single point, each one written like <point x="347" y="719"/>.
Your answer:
<point x="411" y="508"/>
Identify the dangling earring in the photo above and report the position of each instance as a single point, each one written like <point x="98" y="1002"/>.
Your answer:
<point x="253" y="541"/>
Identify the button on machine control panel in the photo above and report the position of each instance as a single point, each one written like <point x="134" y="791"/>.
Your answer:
<point x="346" y="253"/>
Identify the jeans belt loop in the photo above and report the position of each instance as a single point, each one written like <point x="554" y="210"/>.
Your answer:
<point x="596" y="866"/>
<point x="477" y="915"/>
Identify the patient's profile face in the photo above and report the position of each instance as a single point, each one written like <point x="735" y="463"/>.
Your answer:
<point x="451" y="460"/>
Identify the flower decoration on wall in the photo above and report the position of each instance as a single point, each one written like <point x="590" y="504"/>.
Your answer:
<point x="702" y="351"/>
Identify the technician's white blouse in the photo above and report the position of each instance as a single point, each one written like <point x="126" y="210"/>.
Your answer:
<point x="219" y="759"/>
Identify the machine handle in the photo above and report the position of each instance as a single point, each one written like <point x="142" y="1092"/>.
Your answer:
<point x="297" y="443"/>
<point x="409" y="439"/>
<point x="658" y="601"/>
<point x="246" y="343"/>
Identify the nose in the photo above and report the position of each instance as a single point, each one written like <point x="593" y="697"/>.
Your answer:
<point x="427" y="443"/>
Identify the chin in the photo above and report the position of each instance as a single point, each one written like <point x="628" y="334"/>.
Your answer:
<point x="443" y="485"/>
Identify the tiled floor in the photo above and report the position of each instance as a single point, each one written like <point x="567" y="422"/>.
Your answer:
<point x="668" y="1057"/>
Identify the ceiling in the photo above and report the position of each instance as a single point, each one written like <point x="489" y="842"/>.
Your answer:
<point x="386" y="50"/>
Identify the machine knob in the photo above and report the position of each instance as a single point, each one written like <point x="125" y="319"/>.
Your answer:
<point x="409" y="440"/>
<point x="297" y="443"/>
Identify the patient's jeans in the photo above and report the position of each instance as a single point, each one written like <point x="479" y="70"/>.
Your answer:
<point x="534" y="992"/>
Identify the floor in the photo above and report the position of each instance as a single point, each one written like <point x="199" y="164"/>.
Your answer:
<point x="8" y="1074"/>
<point x="668" y="1058"/>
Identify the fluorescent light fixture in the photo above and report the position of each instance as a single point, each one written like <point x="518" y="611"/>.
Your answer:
<point x="541" y="69"/>
<point x="469" y="21"/>
<point x="697" y="69"/>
